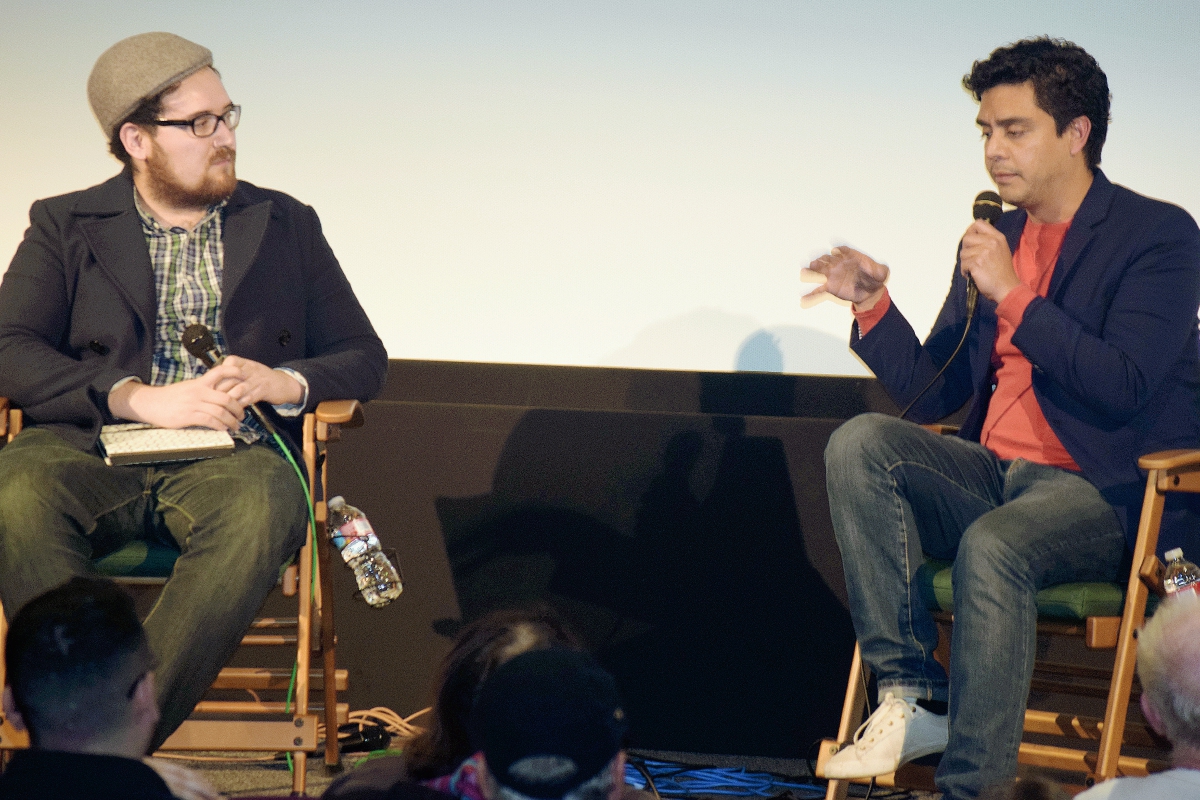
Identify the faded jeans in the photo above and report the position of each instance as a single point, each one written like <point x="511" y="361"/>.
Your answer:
<point x="235" y="519"/>
<point x="897" y="493"/>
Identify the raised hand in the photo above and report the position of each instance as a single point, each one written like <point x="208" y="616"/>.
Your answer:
<point x="849" y="275"/>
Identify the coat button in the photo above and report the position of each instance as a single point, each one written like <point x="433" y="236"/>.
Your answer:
<point x="285" y="336"/>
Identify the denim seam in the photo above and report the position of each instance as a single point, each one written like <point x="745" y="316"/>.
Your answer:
<point x="908" y="598"/>
<point x="927" y="683"/>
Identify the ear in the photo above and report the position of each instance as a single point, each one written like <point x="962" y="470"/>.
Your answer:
<point x="136" y="140"/>
<point x="145" y="702"/>
<point x="487" y="784"/>
<point x="1078" y="129"/>
<point x="618" y="777"/>
<point x="1151" y="715"/>
<point x="10" y="710"/>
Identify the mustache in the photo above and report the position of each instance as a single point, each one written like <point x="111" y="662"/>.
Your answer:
<point x="222" y="153"/>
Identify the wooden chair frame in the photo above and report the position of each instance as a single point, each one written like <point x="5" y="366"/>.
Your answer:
<point x="291" y="730"/>
<point x="1097" y="752"/>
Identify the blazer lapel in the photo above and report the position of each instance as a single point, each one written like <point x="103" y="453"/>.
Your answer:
<point x="114" y="235"/>
<point x="1091" y="213"/>
<point x="243" y="230"/>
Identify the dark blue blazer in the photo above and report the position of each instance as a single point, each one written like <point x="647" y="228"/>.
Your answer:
<point x="1114" y="348"/>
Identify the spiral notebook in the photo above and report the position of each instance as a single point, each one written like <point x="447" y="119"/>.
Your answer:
<point x="141" y="443"/>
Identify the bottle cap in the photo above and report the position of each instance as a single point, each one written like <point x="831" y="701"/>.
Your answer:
<point x="1174" y="555"/>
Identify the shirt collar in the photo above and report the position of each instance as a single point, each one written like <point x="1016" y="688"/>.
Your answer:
<point x="152" y="225"/>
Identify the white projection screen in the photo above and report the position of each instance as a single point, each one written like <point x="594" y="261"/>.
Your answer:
<point x="630" y="183"/>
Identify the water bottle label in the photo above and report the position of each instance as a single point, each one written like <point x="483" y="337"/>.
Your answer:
<point x="353" y="549"/>
<point x="355" y="528"/>
<point x="1184" y="583"/>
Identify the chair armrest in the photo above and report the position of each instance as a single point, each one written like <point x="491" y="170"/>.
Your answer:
<point x="347" y="413"/>
<point x="1170" y="460"/>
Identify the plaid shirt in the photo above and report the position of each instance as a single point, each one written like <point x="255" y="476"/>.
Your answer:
<point x="187" y="285"/>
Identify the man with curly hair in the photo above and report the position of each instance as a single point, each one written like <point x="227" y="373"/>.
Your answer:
<point x="1081" y="356"/>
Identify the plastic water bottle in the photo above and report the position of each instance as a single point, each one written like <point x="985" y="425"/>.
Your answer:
<point x="354" y="537"/>
<point x="1182" y="575"/>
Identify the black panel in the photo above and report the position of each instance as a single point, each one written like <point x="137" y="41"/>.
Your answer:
<point x="678" y="520"/>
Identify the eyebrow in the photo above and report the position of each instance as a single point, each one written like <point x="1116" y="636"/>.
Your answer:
<point x="1004" y="123"/>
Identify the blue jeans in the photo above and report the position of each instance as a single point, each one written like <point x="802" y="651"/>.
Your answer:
<point x="897" y="493"/>
<point x="236" y="520"/>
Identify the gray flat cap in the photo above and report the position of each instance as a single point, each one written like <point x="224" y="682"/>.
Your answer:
<point x="140" y="67"/>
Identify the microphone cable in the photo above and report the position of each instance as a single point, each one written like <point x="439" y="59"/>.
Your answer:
<point x="988" y="206"/>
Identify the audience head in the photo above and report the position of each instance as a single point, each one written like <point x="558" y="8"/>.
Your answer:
<point x="480" y="647"/>
<point x="79" y="671"/>
<point x="1169" y="668"/>
<point x="550" y="726"/>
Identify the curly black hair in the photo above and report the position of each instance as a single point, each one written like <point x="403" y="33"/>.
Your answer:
<point x="1067" y="82"/>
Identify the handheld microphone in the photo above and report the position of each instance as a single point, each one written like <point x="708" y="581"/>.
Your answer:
<point x="198" y="340"/>
<point x="988" y="206"/>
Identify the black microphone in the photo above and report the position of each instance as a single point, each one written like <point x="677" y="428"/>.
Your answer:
<point x="988" y="206"/>
<point x="198" y="340"/>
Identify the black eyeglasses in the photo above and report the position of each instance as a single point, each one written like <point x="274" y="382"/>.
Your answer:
<point x="205" y="125"/>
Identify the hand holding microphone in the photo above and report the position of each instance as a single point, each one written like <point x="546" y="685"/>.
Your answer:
<point x="985" y="258"/>
<point x="198" y="340"/>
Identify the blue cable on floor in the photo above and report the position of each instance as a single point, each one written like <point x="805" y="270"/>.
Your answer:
<point x="681" y="780"/>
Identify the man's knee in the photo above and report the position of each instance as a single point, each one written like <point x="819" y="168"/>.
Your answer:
<point x="986" y="557"/>
<point x="274" y="501"/>
<point x="861" y="438"/>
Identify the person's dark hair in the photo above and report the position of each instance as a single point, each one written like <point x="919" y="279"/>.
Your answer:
<point x="1067" y="82"/>
<point x="72" y="656"/>
<point x="480" y="647"/>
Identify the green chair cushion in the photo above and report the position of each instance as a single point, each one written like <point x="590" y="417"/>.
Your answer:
<point x="1072" y="601"/>
<point x="138" y="559"/>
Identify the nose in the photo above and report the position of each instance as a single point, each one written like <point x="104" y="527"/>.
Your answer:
<point x="993" y="147"/>
<point x="223" y="136"/>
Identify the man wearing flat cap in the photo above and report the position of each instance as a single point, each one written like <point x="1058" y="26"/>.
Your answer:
<point x="92" y="311"/>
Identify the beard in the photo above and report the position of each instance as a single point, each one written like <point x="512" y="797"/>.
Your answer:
<point x="166" y="186"/>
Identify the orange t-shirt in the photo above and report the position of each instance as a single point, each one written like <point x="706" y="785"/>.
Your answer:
<point x="1015" y="426"/>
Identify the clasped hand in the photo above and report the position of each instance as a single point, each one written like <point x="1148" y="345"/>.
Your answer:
<point x="217" y="399"/>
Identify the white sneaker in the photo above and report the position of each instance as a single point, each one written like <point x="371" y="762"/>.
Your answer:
<point x="897" y="732"/>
